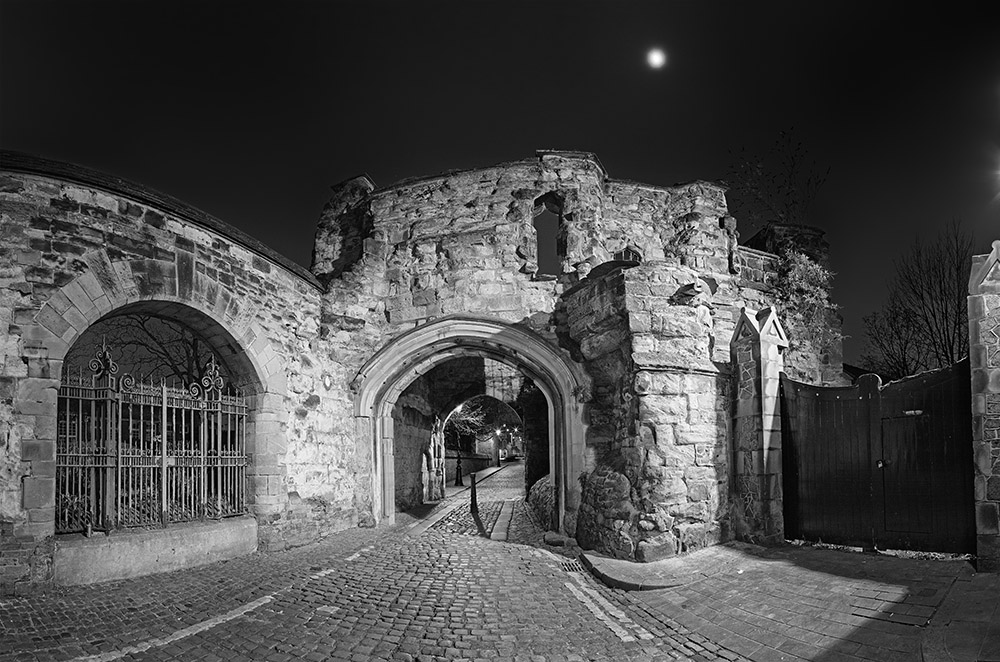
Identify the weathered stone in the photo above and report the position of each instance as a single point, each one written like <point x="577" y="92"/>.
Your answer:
<point x="639" y="342"/>
<point x="657" y="548"/>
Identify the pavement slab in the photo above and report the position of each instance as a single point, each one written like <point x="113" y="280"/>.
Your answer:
<point x="810" y="603"/>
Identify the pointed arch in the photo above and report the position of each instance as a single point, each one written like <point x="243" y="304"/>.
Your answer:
<point x="387" y="374"/>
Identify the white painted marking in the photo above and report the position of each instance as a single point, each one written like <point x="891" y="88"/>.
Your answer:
<point x="622" y="617"/>
<point x="179" y="634"/>
<point x="356" y="555"/>
<point x="600" y="615"/>
<point x="322" y="573"/>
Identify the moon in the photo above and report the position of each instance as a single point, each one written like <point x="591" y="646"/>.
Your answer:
<point x="656" y="58"/>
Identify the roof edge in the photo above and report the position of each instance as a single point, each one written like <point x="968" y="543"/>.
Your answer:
<point x="20" y="162"/>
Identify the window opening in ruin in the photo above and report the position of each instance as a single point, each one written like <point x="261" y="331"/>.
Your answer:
<point x="547" y="223"/>
<point x="628" y="254"/>
<point x="147" y="452"/>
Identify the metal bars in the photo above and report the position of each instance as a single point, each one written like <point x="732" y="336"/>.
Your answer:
<point x="146" y="455"/>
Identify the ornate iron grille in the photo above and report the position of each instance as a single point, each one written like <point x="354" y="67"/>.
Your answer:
<point x="142" y="454"/>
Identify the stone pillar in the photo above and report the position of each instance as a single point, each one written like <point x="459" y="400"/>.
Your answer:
<point x="984" y="359"/>
<point x="756" y="348"/>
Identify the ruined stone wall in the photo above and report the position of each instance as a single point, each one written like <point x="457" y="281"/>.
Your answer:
<point x="651" y="282"/>
<point x="683" y="413"/>
<point x="75" y="246"/>
<point x="805" y="360"/>
<point x="598" y="322"/>
<point x="654" y="338"/>
<point x="413" y="423"/>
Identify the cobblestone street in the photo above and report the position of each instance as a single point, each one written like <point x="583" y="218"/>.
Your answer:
<point x="364" y="594"/>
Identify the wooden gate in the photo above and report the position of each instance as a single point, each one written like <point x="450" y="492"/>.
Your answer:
<point x="881" y="466"/>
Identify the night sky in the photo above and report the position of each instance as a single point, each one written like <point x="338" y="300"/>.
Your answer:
<point x="250" y="111"/>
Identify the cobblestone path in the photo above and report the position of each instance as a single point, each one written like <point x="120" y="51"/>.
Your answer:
<point x="361" y="595"/>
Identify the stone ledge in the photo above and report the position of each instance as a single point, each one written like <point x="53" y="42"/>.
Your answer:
<point x="101" y="558"/>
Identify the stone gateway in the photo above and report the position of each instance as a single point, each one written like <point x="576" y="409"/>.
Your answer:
<point x="649" y="430"/>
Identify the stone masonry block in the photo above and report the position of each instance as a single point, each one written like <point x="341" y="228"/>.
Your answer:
<point x="987" y="518"/>
<point x="772" y="461"/>
<point x="52" y="321"/>
<point x="983" y="461"/>
<point x="78" y="296"/>
<point x="91" y="286"/>
<point x="38" y="492"/>
<point x="977" y="307"/>
<point x="59" y="302"/>
<point x="276" y="485"/>
<point x="43" y="468"/>
<point x="76" y="319"/>
<point x="988" y="553"/>
<point x="45" y="426"/>
<point x="38" y="450"/>
<point x="42" y="515"/>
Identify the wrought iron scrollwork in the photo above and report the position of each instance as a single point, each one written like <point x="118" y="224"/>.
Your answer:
<point x="211" y="382"/>
<point x="103" y="364"/>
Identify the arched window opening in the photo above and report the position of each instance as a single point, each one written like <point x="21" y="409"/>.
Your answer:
<point x="153" y="348"/>
<point x="548" y="236"/>
<point x="150" y="431"/>
<point x="629" y="254"/>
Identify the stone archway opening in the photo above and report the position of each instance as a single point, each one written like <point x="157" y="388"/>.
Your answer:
<point x="487" y="426"/>
<point x="460" y="417"/>
<point x="402" y="374"/>
<point x="154" y="422"/>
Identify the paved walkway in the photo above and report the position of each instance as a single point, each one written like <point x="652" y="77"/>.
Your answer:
<point x="430" y="588"/>
<point x="806" y="603"/>
<point x="364" y="594"/>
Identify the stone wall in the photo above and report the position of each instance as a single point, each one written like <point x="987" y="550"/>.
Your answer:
<point x="653" y="338"/>
<point x="634" y="353"/>
<point x="598" y="322"/>
<point x="540" y="500"/>
<point x="756" y="350"/>
<point x="75" y="246"/>
<point x="413" y="423"/>
<point x="984" y="358"/>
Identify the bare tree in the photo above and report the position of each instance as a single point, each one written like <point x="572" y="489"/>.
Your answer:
<point x="925" y="322"/>
<point x="146" y="346"/>
<point x="893" y="343"/>
<point x="778" y="186"/>
<point x="468" y="418"/>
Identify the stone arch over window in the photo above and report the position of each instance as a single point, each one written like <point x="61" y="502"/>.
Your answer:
<point x="388" y="373"/>
<point x="629" y="254"/>
<point x="108" y="288"/>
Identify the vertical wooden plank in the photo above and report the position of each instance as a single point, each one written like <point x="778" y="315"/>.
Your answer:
<point x="789" y="459"/>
